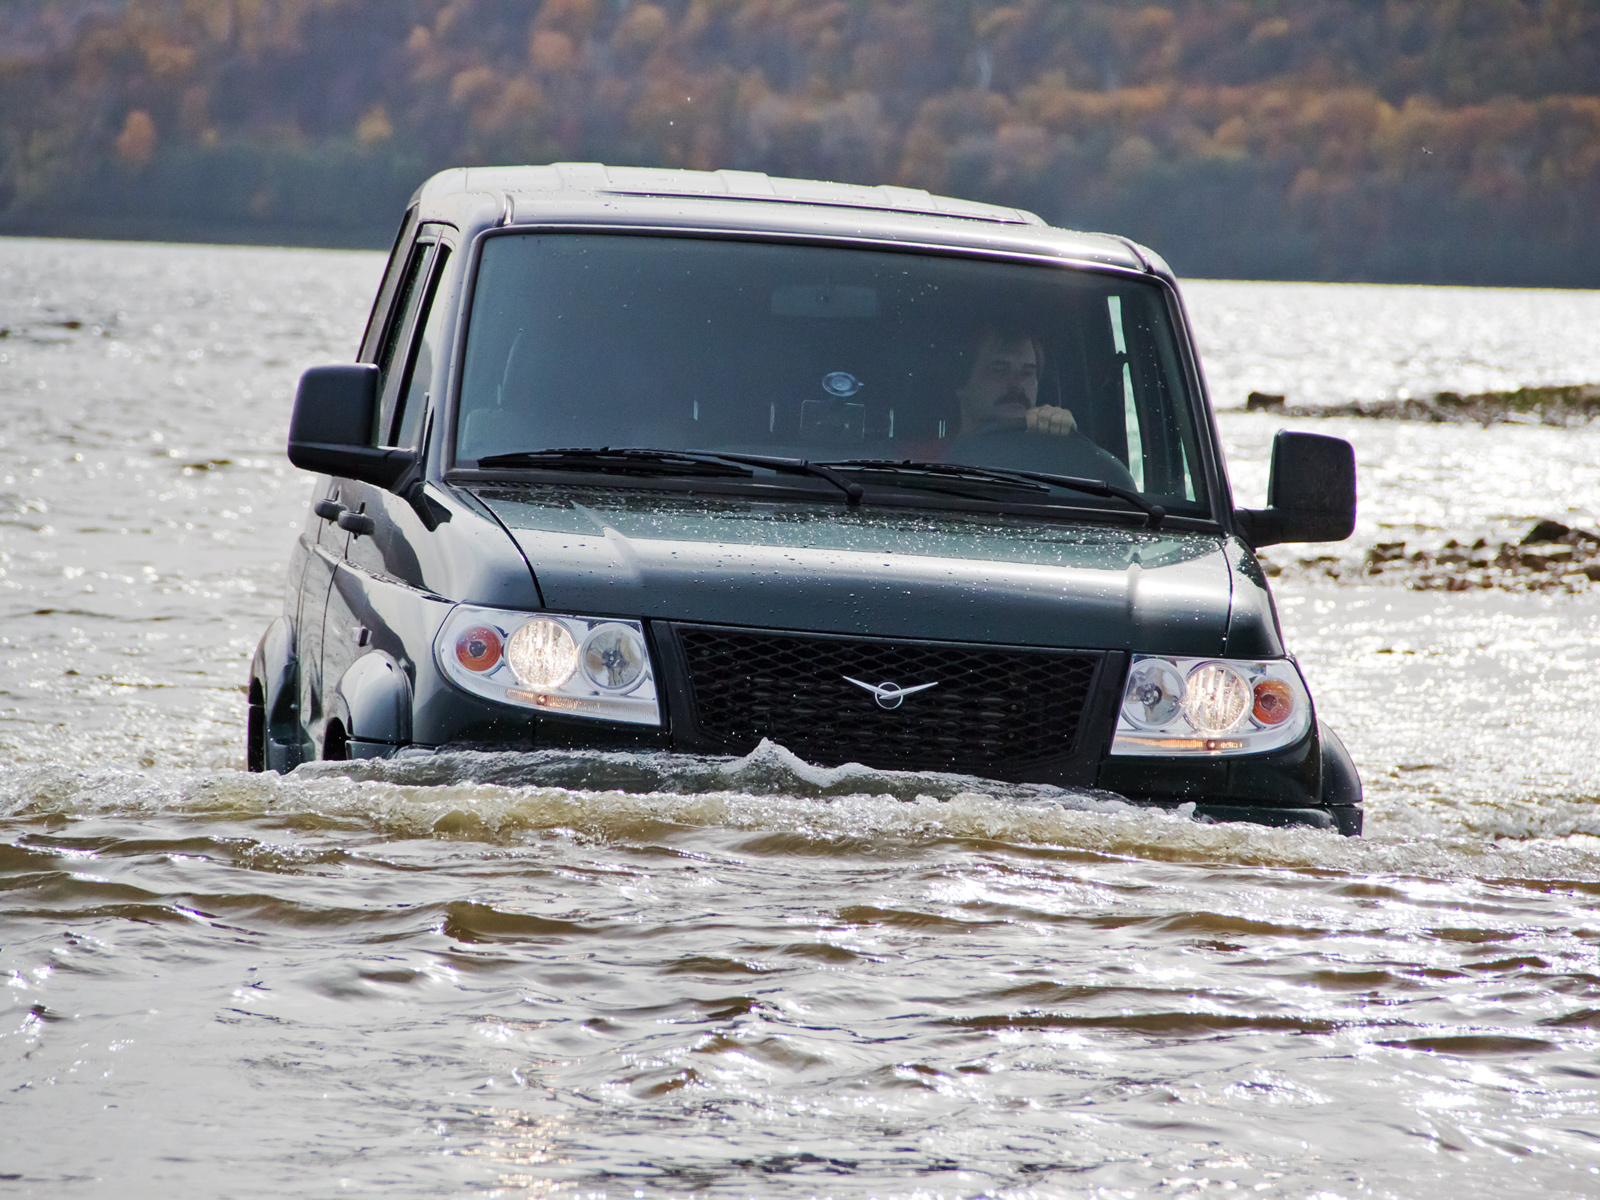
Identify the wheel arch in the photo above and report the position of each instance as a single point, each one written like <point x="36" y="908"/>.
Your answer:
<point x="372" y="703"/>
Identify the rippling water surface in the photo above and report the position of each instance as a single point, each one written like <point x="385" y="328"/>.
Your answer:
<point x="568" y="975"/>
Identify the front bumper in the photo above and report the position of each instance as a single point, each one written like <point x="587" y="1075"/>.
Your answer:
<point x="773" y="693"/>
<point x="1312" y="783"/>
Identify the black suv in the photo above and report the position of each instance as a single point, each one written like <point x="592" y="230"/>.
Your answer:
<point x="670" y="460"/>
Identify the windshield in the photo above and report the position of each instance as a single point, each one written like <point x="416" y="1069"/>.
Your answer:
<point x="829" y="354"/>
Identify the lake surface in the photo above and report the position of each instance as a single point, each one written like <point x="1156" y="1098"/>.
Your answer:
<point x="565" y="977"/>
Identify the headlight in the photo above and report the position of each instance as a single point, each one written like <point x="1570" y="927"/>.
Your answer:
<point x="543" y="653"/>
<point x="573" y="666"/>
<point x="614" y="657"/>
<point x="1210" y="706"/>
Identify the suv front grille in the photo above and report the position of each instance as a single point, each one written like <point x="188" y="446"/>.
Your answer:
<point x="995" y="710"/>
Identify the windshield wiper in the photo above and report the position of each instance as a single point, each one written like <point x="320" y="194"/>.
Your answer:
<point x="801" y="466"/>
<point x="1154" y="513"/>
<point x="641" y="460"/>
<point x="624" y="461"/>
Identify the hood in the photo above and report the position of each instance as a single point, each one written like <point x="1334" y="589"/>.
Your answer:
<point x="969" y="577"/>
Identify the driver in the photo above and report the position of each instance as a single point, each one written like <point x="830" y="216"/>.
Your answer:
<point x="1002" y="423"/>
<point x="1002" y="390"/>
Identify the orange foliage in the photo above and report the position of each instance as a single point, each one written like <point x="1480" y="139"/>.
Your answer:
<point x="1037" y="102"/>
<point x="136" y="143"/>
<point x="1188" y="80"/>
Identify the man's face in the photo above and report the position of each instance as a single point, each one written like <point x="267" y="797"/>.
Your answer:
<point x="1003" y="386"/>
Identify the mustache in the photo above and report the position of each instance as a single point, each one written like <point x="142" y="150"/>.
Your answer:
<point x="1015" y="396"/>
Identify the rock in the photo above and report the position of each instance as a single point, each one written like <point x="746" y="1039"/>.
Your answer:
<point x="1546" y="531"/>
<point x="1570" y="564"/>
<point x="1559" y="405"/>
<point x="1264" y="402"/>
<point x="1540" y="555"/>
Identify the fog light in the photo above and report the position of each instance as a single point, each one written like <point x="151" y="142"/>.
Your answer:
<point x="1215" y="698"/>
<point x="614" y="658"/>
<point x="542" y="653"/>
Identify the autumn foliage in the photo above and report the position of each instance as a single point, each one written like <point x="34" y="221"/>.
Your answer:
<point x="1390" y="139"/>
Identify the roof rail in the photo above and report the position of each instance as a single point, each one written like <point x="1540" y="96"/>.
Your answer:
<point x="733" y="185"/>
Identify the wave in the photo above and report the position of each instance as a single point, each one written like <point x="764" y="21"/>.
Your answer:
<point x="784" y="805"/>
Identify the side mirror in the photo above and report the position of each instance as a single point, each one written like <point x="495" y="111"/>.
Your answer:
<point x="1311" y="495"/>
<point x="331" y="429"/>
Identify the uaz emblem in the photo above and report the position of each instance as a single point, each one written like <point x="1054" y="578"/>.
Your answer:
<point x="890" y="695"/>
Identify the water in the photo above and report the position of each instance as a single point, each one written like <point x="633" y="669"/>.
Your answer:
<point x="566" y="975"/>
<point x="1322" y="343"/>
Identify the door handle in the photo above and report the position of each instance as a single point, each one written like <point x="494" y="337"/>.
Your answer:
<point x="356" y="523"/>
<point x="328" y="510"/>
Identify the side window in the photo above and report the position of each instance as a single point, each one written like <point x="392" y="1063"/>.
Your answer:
<point x="1162" y="436"/>
<point x="413" y="400"/>
<point x="404" y="302"/>
<point x="395" y="268"/>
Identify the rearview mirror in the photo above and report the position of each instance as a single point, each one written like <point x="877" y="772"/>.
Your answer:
<point x="1311" y="494"/>
<point x="331" y="429"/>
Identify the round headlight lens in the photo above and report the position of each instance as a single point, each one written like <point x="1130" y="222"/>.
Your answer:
<point x="1155" y="690"/>
<point x="1216" y="698"/>
<point x="1274" y="702"/>
<point x="542" y="653"/>
<point x="614" y="658"/>
<point x="478" y="649"/>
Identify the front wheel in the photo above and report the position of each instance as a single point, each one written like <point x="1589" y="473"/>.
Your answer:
<point x="255" y="730"/>
<point x="335" y="743"/>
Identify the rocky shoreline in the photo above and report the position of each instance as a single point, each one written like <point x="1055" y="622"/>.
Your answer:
<point x="1550" y="557"/>
<point x="1574" y="404"/>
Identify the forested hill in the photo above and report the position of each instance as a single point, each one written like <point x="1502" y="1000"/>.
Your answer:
<point x="1426" y="140"/>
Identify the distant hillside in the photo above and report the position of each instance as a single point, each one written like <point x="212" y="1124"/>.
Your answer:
<point x="1425" y="140"/>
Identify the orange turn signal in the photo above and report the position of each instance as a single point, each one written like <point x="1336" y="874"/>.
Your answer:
<point x="1274" y="702"/>
<point x="479" y="648"/>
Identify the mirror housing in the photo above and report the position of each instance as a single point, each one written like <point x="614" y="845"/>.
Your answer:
<point x="1311" y="494"/>
<point x="331" y="429"/>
